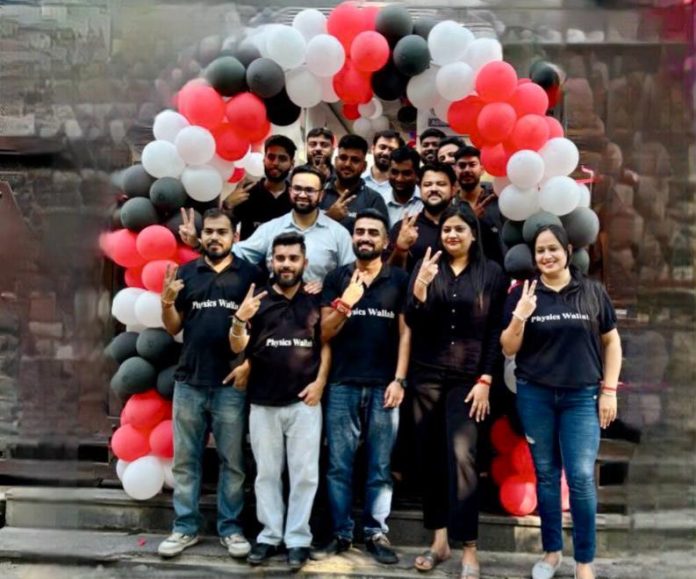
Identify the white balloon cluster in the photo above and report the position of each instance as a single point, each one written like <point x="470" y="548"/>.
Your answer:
<point x="135" y="307"/>
<point x="144" y="478"/>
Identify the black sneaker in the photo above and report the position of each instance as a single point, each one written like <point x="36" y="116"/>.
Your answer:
<point x="261" y="552"/>
<point x="336" y="546"/>
<point x="297" y="557"/>
<point x="379" y="547"/>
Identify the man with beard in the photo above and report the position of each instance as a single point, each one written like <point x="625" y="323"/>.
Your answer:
<point x="362" y="317"/>
<point x="447" y="148"/>
<point x="289" y="369"/>
<point x="320" y="149"/>
<point x="404" y="196"/>
<point x="347" y="193"/>
<point x="482" y="199"/>
<point x="411" y="237"/>
<point x="384" y="143"/>
<point x="268" y="198"/>
<point x="429" y="142"/>
<point x="198" y="299"/>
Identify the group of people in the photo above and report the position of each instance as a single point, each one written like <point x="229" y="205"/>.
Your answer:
<point x="351" y="290"/>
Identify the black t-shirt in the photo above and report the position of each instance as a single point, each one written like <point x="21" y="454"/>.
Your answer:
<point x="260" y="207"/>
<point x="454" y="331"/>
<point x="284" y="348"/>
<point x="561" y="345"/>
<point x="207" y="301"/>
<point x="428" y="237"/>
<point x="365" y="350"/>
<point x="364" y="198"/>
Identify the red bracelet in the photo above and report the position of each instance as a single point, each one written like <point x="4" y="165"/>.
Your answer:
<point x="341" y="307"/>
<point x="482" y="380"/>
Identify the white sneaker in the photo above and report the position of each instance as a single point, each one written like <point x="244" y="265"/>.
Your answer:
<point x="544" y="570"/>
<point x="175" y="544"/>
<point x="237" y="545"/>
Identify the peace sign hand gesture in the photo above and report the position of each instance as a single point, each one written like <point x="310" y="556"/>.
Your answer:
<point x="171" y="286"/>
<point x="187" y="229"/>
<point x="408" y="232"/>
<point x="479" y="206"/>
<point x="527" y="304"/>
<point x="250" y="305"/>
<point x="238" y="195"/>
<point x="355" y="289"/>
<point x="339" y="210"/>
<point x="428" y="269"/>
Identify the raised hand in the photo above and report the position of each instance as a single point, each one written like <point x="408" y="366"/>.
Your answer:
<point x="238" y="195"/>
<point x="527" y="304"/>
<point x="187" y="229"/>
<point x="479" y="206"/>
<point x="355" y="289"/>
<point x="339" y="210"/>
<point x="429" y="268"/>
<point x="250" y="305"/>
<point x="171" y="286"/>
<point x="408" y="232"/>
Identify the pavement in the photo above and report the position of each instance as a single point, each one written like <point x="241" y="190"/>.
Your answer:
<point x="27" y="553"/>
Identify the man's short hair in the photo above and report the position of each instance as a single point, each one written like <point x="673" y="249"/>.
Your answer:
<point x="321" y="132"/>
<point x="283" y="142"/>
<point x="290" y="238"/>
<point x="353" y="143"/>
<point x="215" y="212"/>
<point x="404" y="154"/>
<point x="388" y="134"/>
<point x="452" y="141"/>
<point x="438" y="167"/>
<point x="372" y="213"/>
<point x="467" y="151"/>
<point x="300" y="169"/>
<point x="431" y="132"/>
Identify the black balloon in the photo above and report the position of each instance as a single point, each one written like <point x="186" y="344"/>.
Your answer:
<point x="247" y="53"/>
<point x="407" y="114"/>
<point x="394" y="22"/>
<point x="411" y="55"/>
<point x="265" y="78"/>
<point x="168" y="194"/>
<point x="512" y="233"/>
<point x="539" y="219"/>
<point x="226" y="75"/>
<point x="136" y="181"/>
<point x="582" y="226"/>
<point x="388" y="83"/>
<point x="165" y="382"/>
<point x="134" y="375"/>
<point x="581" y="260"/>
<point x="138" y="213"/>
<point x="543" y="74"/>
<point x="281" y="110"/>
<point x="518" y="262"/>
<point x="157" y="347"/>
<point x="424" y="25"/>
<point x="175" y="220"/>
<point x="122" y="347"/>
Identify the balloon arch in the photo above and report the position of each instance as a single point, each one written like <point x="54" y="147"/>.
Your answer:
<point x="359" y="57"/>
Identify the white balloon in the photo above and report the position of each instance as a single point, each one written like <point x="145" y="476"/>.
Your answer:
<point x="123" y="305"/>
<point x="303" y="88"/>
<point x="143" y="478"/>
<point x="253" y="164"/>
<point x="421" y="89"/>
<point x="222" y="166"/>
<point x="509" y="374"/>
<point x="560" y="156"/>
<point x="310" y="22"/>
<point x="448" y="41"/>
<point x="286" y="46"/>
<point x="441" y="108"/>
<point x="499" y="183"/>
<point x="168" y="475"/>
<point x="454" y="81"/>
<point x="559" y="195"/>
<point x="168" y="124"/>
<point x="121" y="467"/>
<point x="585" y="195"/>
<point x="363" y="127"/>
<point x="195" y="145"/>
<point x="137" y="328"/>
<point x="202" y="183"/>
<point x="380" y="124"/>
<point x="482" y="51"/>
<point x="525" y="169"/>
<point x="371" y="110"/>
<point x="161" y="159"/>
<point x="148" y="310"/>
<point x="518" y="204"/>
<point x="328" y="94"/>
<point x="325" y="56"/>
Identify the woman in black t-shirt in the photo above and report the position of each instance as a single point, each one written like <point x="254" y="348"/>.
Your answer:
<point x="558" y="327"/>
<point x="454" y="310"/>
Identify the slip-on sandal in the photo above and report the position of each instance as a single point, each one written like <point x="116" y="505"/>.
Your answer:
<point x="544" y="570"/>
<point x="431" y="559"/>
<point x="469" y="572"/>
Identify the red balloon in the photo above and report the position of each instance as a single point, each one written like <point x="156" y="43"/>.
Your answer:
<point x="153" y="274"/>
<point x="369" y="14"/>
<point x="521" y="459"/>
<point x="501" y="469"/>
<point x="554" y="94"/>
<point x="518" y="496"/>
<point x="246" y="113"/>
<point x="162" y="440"/>
<point x="555" y="128"/>
<point x="156" y="242"/>
<point x="503" y="437"/>
<point x="529" y="99"/>
<point x="237" y="175"/>
<point x="129" y="444"/>
<point x="145" y="410"/>
<point x="201" y="105"/>
<point x="496" y="121"/>
<point x="462" y="114"/>
<point x="228" y="144"/>
<point x="496" y="81"/>
<point x="352" y="86"/>
<point x="184" y="254"/>
<point x="565" y="493"/>
<point x="530" y="132"/>
<point x="124" y="250"/>
<point x="133" y="277"/>
<point x="523" y="81"/>
<point x="345" y="22"/>
<point x="261" y="133"/>
<point x="351" y="112"/>
<point x="369" y="51"/>
<point x="494" y="158"/>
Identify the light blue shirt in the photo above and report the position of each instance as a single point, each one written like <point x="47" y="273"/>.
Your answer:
<point x="397" y="210"/>
<point x="329" y="244"/>
<point x="383" y="188"/>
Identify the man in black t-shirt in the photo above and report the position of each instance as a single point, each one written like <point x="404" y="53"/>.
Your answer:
<point x="362" y="316"/>
<point x="289" y="369"/>
<point x="199" y="298"/>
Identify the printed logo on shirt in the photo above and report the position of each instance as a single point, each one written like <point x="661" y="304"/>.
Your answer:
<point x="289" y="343"/>
<point x="379" y="313"/>
<point x="558" y="317"/>
<point x="219" y="303"/>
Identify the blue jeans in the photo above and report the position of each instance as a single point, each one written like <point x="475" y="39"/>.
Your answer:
<point x="222" y="408"/>
<point x="350" y="411"/>
<point x="562" y="428"/>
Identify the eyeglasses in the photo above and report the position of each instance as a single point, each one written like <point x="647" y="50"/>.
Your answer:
<point x="306" y="190"/>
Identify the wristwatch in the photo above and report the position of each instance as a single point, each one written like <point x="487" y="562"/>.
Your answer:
<point x="401" y="382"/>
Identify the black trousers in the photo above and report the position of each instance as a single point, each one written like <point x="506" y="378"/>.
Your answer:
<point x="446" y="444"/>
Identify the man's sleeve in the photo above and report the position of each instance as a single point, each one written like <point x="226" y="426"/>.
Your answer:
<point x="345" y="246"/>
<point x="255" y="248"/>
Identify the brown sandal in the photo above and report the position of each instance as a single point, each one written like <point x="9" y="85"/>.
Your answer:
<point x="430" y="561"/>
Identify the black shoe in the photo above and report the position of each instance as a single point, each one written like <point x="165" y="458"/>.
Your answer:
<point x="260" y="552"/>
<point x="378" y="546"/>
<point x="297" y="557"/>
<point x="336" y="546"/>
